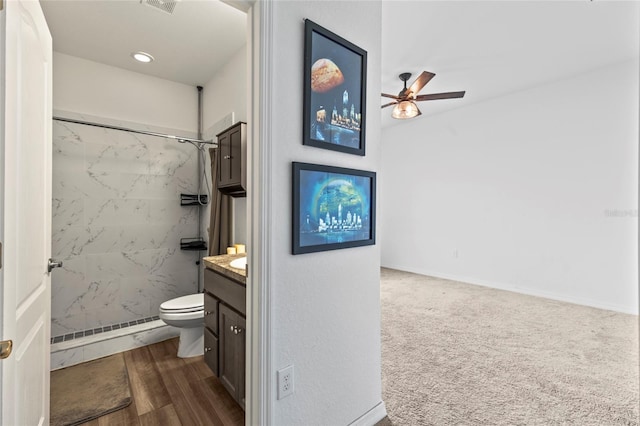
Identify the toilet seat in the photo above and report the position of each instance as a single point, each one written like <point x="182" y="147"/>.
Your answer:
<point x="181" y="319"/>
<point x="184" y="304"/>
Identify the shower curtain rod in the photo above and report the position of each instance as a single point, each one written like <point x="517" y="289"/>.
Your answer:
<point x="142" y="132"/>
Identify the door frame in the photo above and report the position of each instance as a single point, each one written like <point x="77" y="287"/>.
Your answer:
<point x="259" y="406"/>
<point x="259" y="382"/>
<point x="2" y="95"/>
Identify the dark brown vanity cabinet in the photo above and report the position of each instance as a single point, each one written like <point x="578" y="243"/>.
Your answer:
<point x="225" y="335"/>
<point x="232" y="160"/>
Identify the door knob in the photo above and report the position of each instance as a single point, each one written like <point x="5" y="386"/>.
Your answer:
<point x="6" y="346"/>
<point x="54" y="264"/>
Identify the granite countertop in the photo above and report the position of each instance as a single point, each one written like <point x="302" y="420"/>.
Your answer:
<point x="220" y="264"/>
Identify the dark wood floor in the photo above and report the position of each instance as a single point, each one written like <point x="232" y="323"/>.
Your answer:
<point x="168" y="390"/>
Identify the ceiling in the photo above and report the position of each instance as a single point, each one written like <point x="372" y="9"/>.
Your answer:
<point x="189" y="45"/>
<point x="487" y="48"/>
<point x="491" y="49"/>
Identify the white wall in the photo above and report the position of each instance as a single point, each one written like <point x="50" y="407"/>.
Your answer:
<point x="88" y="87"/>
<point x="528" y="189"/>
<point x="224" y="94"/>
<point x="325" y="307"/>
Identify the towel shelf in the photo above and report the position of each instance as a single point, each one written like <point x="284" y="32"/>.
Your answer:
<point x="192" y="200"/>
<point x="194" y="244"/>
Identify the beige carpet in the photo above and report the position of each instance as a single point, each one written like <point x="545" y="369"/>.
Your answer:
<point x="89" y="390"/>
<point x="458" y="354"/>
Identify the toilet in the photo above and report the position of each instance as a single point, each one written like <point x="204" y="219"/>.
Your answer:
<point x="187" y="314"/>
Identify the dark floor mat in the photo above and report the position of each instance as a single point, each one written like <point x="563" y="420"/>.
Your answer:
<point x="89" y="390"/>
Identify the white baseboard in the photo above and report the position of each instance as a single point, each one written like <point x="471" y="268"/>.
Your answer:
<point x="517" y="289"/>
<point x="372" y="416"/>
<point x="66" y="354"/>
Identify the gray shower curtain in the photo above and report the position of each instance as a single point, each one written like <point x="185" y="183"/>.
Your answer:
<point x="221" y="220"/>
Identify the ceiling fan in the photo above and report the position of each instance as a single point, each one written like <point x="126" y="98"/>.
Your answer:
<point x="405" y="101"/>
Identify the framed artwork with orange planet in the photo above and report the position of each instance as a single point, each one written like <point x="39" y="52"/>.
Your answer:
<point x="335" y="86"/>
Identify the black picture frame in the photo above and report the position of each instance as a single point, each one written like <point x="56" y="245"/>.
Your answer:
<point x="335" y="88"/>
<point x="333" y="208"/>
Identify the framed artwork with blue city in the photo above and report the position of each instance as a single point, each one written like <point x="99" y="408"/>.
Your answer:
<point x="333" y="208"/>
<point x="335" y="86"/>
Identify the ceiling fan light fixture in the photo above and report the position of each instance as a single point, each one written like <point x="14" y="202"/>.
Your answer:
<point x="404" y="110"/>
<point x="404" y="103"/>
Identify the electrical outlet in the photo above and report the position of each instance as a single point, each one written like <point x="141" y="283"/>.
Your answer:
<point x="285" y="382"/>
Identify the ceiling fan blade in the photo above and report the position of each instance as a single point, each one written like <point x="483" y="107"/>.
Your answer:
<point x="435" y="96"/>
<point x="420" y="82"/>
<point x="386" y="95"/>
<point x="389" y="104"/>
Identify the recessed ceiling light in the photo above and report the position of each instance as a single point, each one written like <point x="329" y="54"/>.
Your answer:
<point x="142" y="57"/>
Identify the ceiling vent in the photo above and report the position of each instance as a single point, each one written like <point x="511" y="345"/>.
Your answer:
<point x="165" y="6"/>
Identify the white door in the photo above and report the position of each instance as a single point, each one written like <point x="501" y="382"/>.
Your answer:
<point x="25" y="211"/>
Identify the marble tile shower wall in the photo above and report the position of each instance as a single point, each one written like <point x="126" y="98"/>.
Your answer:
<point x="117" y="224"/>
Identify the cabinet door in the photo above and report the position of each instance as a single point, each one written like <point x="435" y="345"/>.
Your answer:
<point x="242" y="344"/>
<point x="211" y="350"/>
<point x="211" y="313"/>
<point x="224" y="155"/>
<point x="231" y="351"/>
<point x="235" y="147"/>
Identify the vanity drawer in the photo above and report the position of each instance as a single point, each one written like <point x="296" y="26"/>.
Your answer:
<point x="211" y="351"/>
<point x="228" y="291"/>
<point x="211" y="312"/>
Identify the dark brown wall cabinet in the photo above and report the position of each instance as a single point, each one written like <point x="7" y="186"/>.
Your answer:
<point x="224" y="334"/>
<point x="232" y="160"/>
